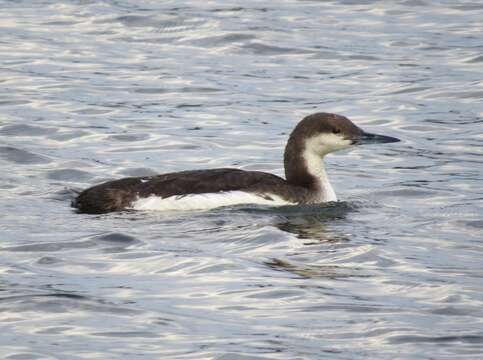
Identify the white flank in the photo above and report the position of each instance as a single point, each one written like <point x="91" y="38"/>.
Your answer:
<point x="204" y="201"/>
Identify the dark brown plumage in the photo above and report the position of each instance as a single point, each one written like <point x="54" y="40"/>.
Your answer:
<point x="303" y="185"/>
<point x="119" y="194"/>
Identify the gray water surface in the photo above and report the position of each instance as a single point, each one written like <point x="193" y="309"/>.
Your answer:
<point x="97" y="90"/>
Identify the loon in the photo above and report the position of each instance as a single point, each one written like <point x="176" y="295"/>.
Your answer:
<point x="305" y="182"/>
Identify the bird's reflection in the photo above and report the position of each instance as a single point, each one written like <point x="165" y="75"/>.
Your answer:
<point x="311" y="271"/>
<point x="311" y="223"/>
<point x="313" y="226"/>
<point x="311" y="229"/>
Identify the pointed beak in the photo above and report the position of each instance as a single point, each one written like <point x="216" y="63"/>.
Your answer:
<point x="367" y="138"/>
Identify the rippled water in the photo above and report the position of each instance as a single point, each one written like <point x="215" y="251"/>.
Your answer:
<point x="97" y="90"/>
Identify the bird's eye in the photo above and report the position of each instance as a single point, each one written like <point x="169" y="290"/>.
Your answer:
<point x="336" y="131"/>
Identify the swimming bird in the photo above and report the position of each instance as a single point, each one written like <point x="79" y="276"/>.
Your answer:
<point x="305" y="182"/>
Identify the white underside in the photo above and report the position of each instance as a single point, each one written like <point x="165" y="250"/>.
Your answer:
<point x="205" y="201"/>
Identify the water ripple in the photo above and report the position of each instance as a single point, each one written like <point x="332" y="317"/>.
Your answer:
<point x="92" y="91"/>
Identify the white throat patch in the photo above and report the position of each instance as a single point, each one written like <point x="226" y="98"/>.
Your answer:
<point x="324" y="144"/>
<point x="315" y="149"/>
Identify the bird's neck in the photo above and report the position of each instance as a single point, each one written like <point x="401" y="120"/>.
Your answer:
<point x="305" y="168"/>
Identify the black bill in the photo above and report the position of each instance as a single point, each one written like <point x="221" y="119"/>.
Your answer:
<point x="367" y="138"/>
